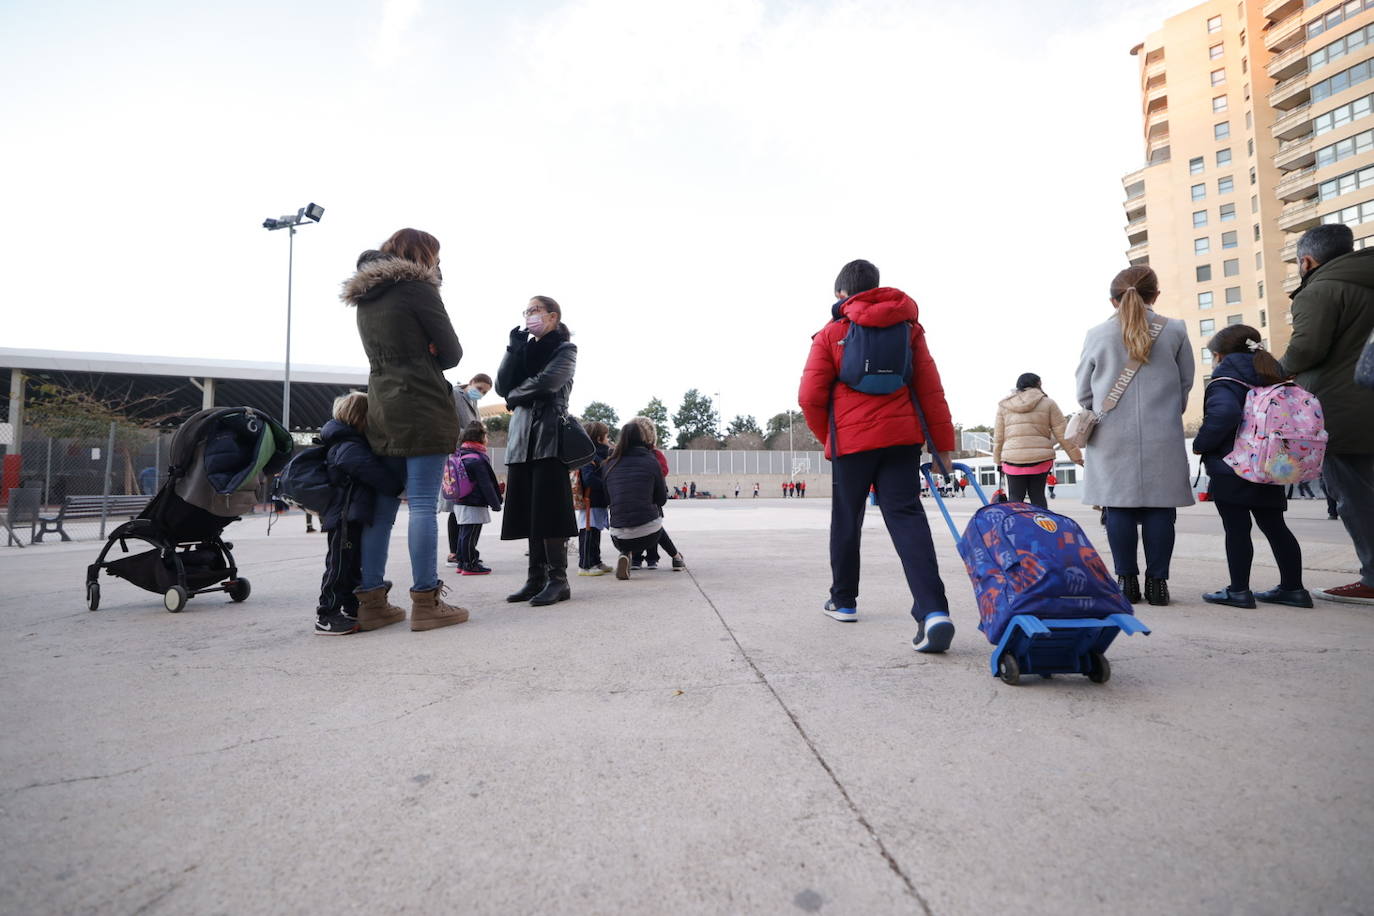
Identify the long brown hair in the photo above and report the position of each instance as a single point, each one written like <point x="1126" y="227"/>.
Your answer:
<point x="413" y="245"/>
<point x="1134" y="290"/>
<point x="631" y="436"/>
<point x="1237" y="338"/>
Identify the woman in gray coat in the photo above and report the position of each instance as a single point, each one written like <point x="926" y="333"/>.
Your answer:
<point x="536" y="378"/>
<point x="1137" y="464"/>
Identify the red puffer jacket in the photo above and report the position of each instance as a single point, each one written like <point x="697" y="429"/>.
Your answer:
<point x="867" y="421"/>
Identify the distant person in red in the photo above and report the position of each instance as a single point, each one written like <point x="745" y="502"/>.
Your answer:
<point x="876" y="439"/>
<point x="801" y="486"/>
<point x="756" y="490"/>
<point x="1051" y="482"/>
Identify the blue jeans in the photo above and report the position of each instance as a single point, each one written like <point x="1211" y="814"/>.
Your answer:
<point x="423" y="474"/>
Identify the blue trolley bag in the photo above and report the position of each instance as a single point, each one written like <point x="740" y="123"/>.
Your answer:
<point x="1026" y="560"/>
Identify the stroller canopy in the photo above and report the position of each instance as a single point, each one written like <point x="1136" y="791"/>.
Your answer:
<point x="224" y="451"/>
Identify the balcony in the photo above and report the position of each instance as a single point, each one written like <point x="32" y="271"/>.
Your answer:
<point x="1299" y="216"/>
<point x="1291" y="283"/>
<point x="1153" y="69"/>
<point x="1278" y="9"/>
<point x="1284" y="34"/>
<point x="1294" y="124"/>
<point x="1157" y="149"/>
<point x="1295" y="154"/>
<point x="1290" y="93"/>
<point x="1139" y="254"/>
<point x="1297" y="185"/>
<point x="1156" y="97"/>
<point x="1289" y="252"/>
<point x="1289" y="63"/>
<point x="1132" y="223"/>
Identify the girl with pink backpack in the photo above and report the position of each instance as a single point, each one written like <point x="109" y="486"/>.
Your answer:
<point x="1243" y="366"/>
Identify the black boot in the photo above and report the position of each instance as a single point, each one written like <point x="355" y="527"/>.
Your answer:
<point x="1157" y="591"/>
<point x="556" y="589"/>
<point x="538" y="578"/>
<point x="1130" y="587"/>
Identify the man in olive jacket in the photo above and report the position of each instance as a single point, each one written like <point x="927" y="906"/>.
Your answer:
<point x="1333" y="315"/>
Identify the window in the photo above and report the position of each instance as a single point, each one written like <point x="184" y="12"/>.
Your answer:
<point x="1245" y="68"/>
<point x="1215" y="52"/>
<point x="1257" y="232"/>
<point x="1219" y="103"/>
<point x="1259" y="260"/>
<point x="1352" y="215"/>
<point x="1254" y="203"/>
<point x="1199" y="218"/>
<point x="1264" y="316"/>
<point x="1252" y="174"/>
<point x="1339" y="117"/>
<point x="1204" y="300"/>
<point x="1260" y="293"/>
<point x="1199" y="191"/>
<point x="1228" y="212"/>
<point x="1224" y="185"/>
<point x="1219" y="77"/>
<point x="1232" y="298"/>
<point x="1344" y="184"/>
<point x="1234" y="319"/>
<point x="1206" y="356"/>
<point x="1230" y="267"/>
<point x="1207" y="326"/>
<point x="1196" y="165"/>
<point x="1202" y="245"/>
<point x="1337" y="16"/>
<point x="1223" y="157"/>
<point x="1362" y="142"/>
<point x="1250" y="147"/>
<point x="1249" y="121"/>
<point x="1343" y="80"/>
<point x="1228" y="239"/>
<point x="1339" y="48"/>
<point x="1214" y="25"/>
<point x="1221" y="130"/>
<point x="1203" y="272"/>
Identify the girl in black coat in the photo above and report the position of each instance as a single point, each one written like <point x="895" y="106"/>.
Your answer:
<point x="1242" y="365"/>
<point x="637" y="491"/>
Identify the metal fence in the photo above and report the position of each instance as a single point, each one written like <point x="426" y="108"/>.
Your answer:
<point x="682" y="462"/>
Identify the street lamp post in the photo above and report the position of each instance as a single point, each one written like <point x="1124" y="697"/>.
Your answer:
<point x="289" y="222"/>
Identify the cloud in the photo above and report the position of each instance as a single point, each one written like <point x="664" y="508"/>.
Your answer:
<point x="397" y="18"/>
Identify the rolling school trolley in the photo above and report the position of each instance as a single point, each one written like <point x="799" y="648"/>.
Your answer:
<point x="1046" y="601"/>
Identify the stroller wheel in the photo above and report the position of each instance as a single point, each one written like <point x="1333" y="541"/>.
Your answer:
<point x="239" y="589"/>
<point x="1008" y="670"/>
<point x="175" y="598"/>
<point x="92" y="595"/>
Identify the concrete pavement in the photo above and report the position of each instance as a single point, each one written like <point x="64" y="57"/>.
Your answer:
<point x="705" y="742"/>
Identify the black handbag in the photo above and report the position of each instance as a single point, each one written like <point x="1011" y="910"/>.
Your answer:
<point x="575" y="447"/>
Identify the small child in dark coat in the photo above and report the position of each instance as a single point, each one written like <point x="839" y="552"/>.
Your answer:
<point x="1241" y="365"/>
<point x="357" y="475"/>
<point x="474" y="510"/>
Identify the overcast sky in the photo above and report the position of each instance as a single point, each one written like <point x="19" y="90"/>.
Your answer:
<point x="685" y="178"/>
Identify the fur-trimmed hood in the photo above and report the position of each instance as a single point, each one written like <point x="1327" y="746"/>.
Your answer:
<point x="377" y="271"/>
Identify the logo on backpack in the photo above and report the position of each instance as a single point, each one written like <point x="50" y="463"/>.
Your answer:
<point x="1282" y="436"/>
<point x="1044" y="521"/>
<point x="305" y="480"/>
<point x="876" y="360"/>
<point x="457" y="484"/>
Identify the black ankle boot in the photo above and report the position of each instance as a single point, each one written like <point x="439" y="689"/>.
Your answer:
<point x="538" y="578"/>
<point x="1130" y="587"/>
<point x="1157" y="591"/>
<point x="556" y="589"/>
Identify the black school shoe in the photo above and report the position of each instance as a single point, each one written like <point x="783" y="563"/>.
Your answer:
<point x="1293" y="597"/>
<point x="1157" y="591"/>
<point x="1234" y="597"/>
<point x="336" y="623"/>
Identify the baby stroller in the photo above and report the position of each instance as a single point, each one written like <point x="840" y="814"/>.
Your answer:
<point x="218" y="458"/>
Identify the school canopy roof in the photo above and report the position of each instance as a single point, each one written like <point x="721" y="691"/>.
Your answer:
<point x="171" y="388"/>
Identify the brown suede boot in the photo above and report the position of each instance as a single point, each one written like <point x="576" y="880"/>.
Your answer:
<point x="428" y="610"/>
<point x="375" y="611"/>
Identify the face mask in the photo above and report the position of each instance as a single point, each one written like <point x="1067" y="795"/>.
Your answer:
<point x="534" y="323"/>
<point x="475" y="394"/>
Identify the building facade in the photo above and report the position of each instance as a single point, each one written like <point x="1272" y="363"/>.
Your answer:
<point x="1256" y="123"/>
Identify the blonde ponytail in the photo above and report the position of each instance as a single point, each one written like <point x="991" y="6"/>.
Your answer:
<point x="1134" y="290"/>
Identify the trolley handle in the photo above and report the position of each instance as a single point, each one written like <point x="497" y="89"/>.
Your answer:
<point x="940" y="500"/>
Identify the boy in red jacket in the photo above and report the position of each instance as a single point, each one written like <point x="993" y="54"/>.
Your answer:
<point x="875" y="440"/>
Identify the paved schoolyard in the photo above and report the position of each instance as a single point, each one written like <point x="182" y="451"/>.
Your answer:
<point x="682" y="743"/>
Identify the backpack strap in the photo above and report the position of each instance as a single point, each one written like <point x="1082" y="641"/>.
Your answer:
<point x="1227" y="378"/>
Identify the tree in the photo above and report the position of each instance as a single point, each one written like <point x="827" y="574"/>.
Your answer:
<point x="656" y="412"/>
<point x="704" y="443"/>
<point x="800" y="439"/>
<point x="601" y="412"/>
<point x="743" y="424"/>
<point x="498" y="430"/>
<point x="750" y="442"/>
<point x="980" y="428"/>
<point x="696" y="418"/>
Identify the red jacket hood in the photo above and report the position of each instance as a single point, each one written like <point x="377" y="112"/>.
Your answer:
<point x="880" y="308"/>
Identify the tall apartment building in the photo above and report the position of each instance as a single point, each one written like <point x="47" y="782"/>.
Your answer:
<point x="1257" y="127"/>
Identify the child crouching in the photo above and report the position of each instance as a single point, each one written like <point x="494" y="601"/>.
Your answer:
<point x="357" y="475"/>
<point x="474" y="509"/>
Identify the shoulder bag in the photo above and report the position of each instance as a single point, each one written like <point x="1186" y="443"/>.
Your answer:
<point x="1082" y="424"/>
<point x="575" y="447"/>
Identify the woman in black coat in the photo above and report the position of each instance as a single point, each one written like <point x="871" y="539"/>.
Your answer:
<point x="1241" y="366"/>
<point x="536" y="378"/>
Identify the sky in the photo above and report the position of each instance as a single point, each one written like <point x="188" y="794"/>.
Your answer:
<point x="686" y="179"/>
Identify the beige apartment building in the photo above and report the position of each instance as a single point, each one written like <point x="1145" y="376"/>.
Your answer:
<point x="1257" y="126"/>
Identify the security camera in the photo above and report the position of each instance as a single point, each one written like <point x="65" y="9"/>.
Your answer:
<point x="269" y="224"/>
<point x="314" y="212"/>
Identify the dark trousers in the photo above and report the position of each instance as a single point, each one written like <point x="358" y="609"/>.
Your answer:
<point x="452" y="533"/>
<point x="637" y="546"/>
<point x="1351" y="477"/>
<point x="895" y="472"/>
<point x="1022" y="486"/>
<point x="342" y="569"/>
<point x="1126" y="527"/>
<point x="588" y="548"/>
<point x="1240" y="550"/>
<point x="467" y="544"/>
<point x="649" y="549"/>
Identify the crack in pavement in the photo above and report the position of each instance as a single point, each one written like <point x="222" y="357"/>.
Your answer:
<point x="815" y="752"/>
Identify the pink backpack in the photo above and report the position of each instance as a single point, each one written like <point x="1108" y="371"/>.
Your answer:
<point x="457" y="484"/>
<point x="1282" y="436"/>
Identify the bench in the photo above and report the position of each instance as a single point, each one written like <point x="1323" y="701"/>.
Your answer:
<point x="22" y="512"/>
<point x="77" y="507"/>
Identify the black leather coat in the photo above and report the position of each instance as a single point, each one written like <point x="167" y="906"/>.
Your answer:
<point x="536" y="384"/>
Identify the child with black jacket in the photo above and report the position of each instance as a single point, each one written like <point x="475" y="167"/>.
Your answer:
<point x="1243" y="364"/>
<point x="474" y="510"/>
<point x="358" y="475"/>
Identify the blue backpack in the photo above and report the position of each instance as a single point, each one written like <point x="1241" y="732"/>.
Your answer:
<point x="876" y="360"/>
<point x="305" y="479"/>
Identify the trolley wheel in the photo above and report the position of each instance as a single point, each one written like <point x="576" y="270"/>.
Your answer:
<point x="1008" y="670"/>
<point x="92" y="595"/>
<point x="239" y="589"/>
<point x="175" y="598"/>
<point x="1099" y="669"/>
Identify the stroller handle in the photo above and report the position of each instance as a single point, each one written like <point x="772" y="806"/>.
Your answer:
<point x="940" y="501"/>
